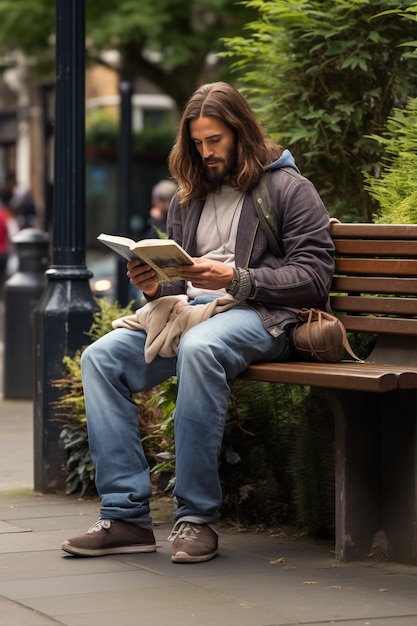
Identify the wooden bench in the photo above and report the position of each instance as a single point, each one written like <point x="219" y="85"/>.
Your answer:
<point x="374" y="403"/>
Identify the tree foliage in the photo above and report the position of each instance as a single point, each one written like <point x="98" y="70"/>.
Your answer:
<point x="165" y="41"/>
<point x="395" y="187"/>
<point x="323" y="76"/>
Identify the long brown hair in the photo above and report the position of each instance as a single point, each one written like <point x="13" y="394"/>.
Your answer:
<point x="253" y="149"/>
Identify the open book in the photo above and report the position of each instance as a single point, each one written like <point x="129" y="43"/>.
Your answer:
<point x="163" y="255"/>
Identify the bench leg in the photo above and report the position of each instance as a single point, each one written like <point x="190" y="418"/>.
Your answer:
<point x="375" y="474"/>
<point x="358" y="479"/>
<point x="400" y="475"/>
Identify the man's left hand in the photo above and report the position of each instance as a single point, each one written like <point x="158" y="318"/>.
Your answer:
<point x="207" y="274"/>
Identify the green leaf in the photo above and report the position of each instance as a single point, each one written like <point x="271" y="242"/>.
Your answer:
<point x="323" y="76"/>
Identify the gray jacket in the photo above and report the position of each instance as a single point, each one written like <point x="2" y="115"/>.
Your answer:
<point x="302" y="277"/>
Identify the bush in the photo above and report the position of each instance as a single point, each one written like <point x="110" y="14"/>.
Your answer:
<point x="395" y="189"/>
<point x="277" y="461"/>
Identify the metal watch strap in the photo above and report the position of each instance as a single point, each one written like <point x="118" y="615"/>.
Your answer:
<point x="234" y="285"/>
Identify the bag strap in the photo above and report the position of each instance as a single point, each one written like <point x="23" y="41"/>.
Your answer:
<point x="269" y="221"/>
<point x="348" y="347"/>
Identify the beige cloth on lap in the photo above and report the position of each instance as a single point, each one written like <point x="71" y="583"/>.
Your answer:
<point x="167" y="319"/>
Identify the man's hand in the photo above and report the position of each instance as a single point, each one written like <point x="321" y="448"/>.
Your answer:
<point x="207" y="274"/>
<point x="143" y="277"/>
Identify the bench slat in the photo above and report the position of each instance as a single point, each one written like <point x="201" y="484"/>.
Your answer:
<point x="333" y="375"/>
<point x="374" y="231"/>
<point x="408" y="380"/>
<point x="379" y="325"/>
<point x="376" y="247"/>
<point x="377" y="267"/>
<point x="374" y="284"/>
<point x="372" y="304"/>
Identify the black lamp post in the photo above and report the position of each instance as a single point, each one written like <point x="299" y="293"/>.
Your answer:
<point x="65" y="309"/>
<point x="124" y="178"/>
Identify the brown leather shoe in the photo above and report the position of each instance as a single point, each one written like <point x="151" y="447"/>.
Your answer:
<point x="111" y="536"/>
<point x="193" y="543"/>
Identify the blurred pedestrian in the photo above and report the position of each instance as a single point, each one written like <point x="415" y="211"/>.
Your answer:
<point x="8" y="229"/>
<point x="162" y="194"/>
<point x="20" y="202"/>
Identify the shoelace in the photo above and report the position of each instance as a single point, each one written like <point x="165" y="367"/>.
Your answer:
<point x="99" y="525"/>
<point x="188" y="530"/>
<point x="185" y="530"/>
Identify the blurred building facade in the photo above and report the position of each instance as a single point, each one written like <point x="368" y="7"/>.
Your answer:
<point x="27" y="110"/>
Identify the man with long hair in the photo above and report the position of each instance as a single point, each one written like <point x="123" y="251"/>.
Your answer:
<point x="220" y="154"/>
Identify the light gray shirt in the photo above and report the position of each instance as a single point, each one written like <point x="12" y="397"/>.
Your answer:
<point x="216" y="232"/>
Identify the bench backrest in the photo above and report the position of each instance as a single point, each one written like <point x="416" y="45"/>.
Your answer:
<point x="374" y="288"/>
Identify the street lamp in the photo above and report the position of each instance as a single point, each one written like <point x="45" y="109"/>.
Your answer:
<point x="65" y="310"/>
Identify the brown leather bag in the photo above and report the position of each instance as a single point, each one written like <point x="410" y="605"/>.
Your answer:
<point x="321" y="336"/>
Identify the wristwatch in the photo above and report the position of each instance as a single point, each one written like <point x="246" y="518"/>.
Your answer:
<point x="241" y="285"/>
<point x="245" y="285"/>
<point x="234" y="285"/>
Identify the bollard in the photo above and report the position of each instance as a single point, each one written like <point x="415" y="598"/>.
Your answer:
<point x="21" y="294"/>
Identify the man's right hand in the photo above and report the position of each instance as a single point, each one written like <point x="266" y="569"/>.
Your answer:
<point x="143" y="277"/>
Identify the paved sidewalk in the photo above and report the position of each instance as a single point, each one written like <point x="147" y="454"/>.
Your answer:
<point x="259" y="579"/>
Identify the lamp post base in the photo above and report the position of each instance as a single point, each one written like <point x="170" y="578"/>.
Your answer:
<point x="60" y="321"/>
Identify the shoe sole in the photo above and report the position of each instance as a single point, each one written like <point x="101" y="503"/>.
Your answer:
<point x="183" y="557"/>
<point x="106" y="551"/>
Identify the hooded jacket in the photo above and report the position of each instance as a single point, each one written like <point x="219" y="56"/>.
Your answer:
<point x="281" y="286"/>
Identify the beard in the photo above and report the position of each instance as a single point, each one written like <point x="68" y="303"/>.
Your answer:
<point x="224" y="168"/>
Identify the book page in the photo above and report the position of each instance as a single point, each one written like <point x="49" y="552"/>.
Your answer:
<point x="164" y="256"/>
<point x="121" y="245"/>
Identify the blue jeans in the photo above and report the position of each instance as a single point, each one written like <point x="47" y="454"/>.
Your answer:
<point x="210" y="354"/>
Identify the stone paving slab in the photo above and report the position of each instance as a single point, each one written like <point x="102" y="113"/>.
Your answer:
<point x="259" y="579"/>
<point x="16" y="444"/>
<point x="12" y="614"/>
